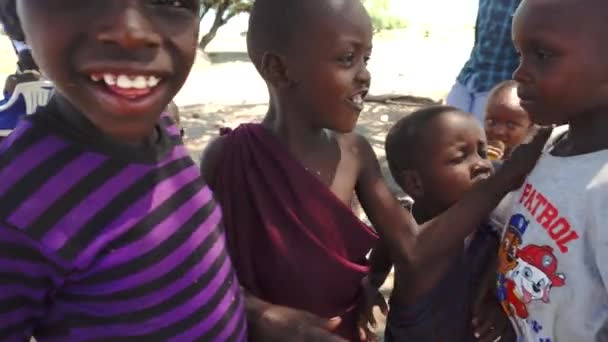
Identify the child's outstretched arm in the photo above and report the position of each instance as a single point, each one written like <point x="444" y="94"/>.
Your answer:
<point x="417" y="246"/>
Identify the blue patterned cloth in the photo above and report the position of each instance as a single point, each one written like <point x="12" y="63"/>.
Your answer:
<point x="12" y="115"/>
<point x="493" y="58"/>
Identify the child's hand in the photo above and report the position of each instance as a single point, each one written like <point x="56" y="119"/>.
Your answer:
<point x="370" y="298"/>
<point x="279" y="323"/>
<point x="523" y="159"/>
<point x="491" y="324"/>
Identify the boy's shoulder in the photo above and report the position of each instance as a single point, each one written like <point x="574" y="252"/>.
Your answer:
<point x="599" y="182"/>
<point x="556" y="135"/>
<point x="211" y="155"/>
<point x="351" y="138"/>
<point x="355" y="143"/>
<point x="213" y="152"/>
<point x="347" y="141"/>
<point x="25" y="134"/>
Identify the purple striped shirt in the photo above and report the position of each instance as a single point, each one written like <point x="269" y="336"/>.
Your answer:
<point x="100" y="242"/>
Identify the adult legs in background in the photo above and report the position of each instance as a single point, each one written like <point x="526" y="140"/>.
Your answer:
<point x="478" y="107"/>
<point x="466" y="100"/>
<point x="460" y="97"/>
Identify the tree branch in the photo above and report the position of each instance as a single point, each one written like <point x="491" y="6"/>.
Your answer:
<point x="224" y="11"/>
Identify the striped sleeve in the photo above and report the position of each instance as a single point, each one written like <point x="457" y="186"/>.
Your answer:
<point x="28" y="276"/>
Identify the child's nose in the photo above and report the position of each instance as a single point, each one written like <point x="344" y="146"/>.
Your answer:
<point x="481" y="165"/>
<point x="498" y="130"/>
<point x="129" y="29"/>
<point x="364" y="76"/>
<point x="521" y="74"/>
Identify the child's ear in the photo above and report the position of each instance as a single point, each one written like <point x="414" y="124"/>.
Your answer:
<point x="274" y="70"/>
<point x="411" y="183"/>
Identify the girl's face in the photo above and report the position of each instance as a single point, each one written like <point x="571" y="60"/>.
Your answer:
<point x="119" y="62"/>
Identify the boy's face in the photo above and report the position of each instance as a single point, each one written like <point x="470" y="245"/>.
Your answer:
<point x="563" y="70"/>
<point x="328" y="61"/>
<point x="453" y="160"/>
<point x="119" y="62"/>
<point x="505" y="120"/>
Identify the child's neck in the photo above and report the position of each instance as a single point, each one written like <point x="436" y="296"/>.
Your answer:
<point x="82" y="122"/>
<point x="586" y="134"/>
<point x="296" y="133"/>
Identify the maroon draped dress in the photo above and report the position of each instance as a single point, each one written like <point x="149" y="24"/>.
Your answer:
<point x="292" y="241"/>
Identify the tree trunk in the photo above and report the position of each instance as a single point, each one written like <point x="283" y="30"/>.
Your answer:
<point x="218" y="22"/>
<point x="203" y="12"/>
<point x="207" y="38"/>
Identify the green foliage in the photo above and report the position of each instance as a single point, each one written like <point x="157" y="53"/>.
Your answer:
<point x="383" y="18"/>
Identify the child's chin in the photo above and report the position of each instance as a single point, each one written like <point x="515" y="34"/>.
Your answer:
<point x="543" y="118"/>
<point x="344" y="129"/>
<point x="546" y="116"/>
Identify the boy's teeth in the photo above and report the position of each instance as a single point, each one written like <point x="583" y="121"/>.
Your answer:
<point x="139" y="82"/>
<point x="122" y="81"/>
<point x="109" y="79"/>
<point x="127" y="82"/>
<point x="152" y="81"/>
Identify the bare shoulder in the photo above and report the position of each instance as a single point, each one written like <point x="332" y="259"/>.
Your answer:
<point x="211" y="157"/>
<point x="359" y="157"/>
<point x="357" y="145"/>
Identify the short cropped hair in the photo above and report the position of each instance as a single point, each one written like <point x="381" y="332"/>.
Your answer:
<point x="503" y="87"/>
<point x="403" y="143"/>
<point x="272" y="24"/>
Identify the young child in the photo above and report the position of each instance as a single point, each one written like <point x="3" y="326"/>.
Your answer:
<point x="506" y="122"/>
<point x="553" y="270"/>
<point x="436" y="155"/>
<point x="107" y="230"/>
<point x="286" y="185"/>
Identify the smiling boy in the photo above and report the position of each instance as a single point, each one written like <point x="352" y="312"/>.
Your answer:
<point x="107" y="230"/>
